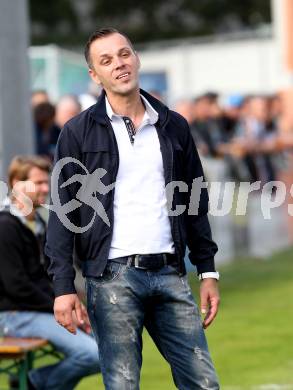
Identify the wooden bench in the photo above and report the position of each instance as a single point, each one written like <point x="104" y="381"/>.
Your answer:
<point x="22" y="352"/>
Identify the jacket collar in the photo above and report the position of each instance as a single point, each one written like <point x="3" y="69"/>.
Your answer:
<point x="99" y="113"/>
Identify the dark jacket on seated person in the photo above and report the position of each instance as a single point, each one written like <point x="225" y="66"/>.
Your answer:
<point x="24" y="283"/>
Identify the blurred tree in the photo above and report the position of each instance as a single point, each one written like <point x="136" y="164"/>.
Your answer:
<point x="144" y="20"/>
<point x="52" y="18"/>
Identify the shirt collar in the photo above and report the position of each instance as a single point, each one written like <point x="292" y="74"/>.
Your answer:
<point x="151" y="116"/>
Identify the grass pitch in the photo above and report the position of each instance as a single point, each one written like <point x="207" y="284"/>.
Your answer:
<point x="251" y="340"/>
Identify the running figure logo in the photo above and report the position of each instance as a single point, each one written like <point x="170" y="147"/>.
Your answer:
<point x="91" y="184"/>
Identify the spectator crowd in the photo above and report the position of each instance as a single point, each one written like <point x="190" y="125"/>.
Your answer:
<point x="246" y="132"/>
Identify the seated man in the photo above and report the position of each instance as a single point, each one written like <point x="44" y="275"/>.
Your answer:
<point x="26" y="295"/>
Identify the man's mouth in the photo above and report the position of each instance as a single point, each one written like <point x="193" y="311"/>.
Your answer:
<point x="123" y="75"/>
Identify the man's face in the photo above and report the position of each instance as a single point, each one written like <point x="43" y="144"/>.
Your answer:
<point x="39" y="98"/>
<point x="259" y="109"/>
<point x="114" y="65"/>
<point x="40" y="179"/>
<point x="65" y="110"/>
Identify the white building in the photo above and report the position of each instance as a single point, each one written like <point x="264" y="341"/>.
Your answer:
<point x="246" y="62"/>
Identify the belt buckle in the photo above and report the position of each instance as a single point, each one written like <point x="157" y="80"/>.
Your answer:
<point x="136" y="262"/>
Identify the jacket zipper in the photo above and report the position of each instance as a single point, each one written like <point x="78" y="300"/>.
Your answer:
<point x="109" y="127"/>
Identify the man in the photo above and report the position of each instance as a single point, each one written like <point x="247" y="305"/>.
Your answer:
<point x="39" y="96"/>
<point x="46" y="131"/>
<point x="26" y="295"/>
<point x="67" y="107"/>
<point x="132" y="261"/>
<point x="206" y="127"/>
<point x="184" y="107"/>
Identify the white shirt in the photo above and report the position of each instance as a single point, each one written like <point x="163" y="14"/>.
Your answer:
<point x="141" y="222"/>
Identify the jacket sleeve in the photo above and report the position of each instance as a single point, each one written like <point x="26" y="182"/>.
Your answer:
<point x="60" y="235"/>
<point x="17" y="283"/>
<point x="199" y="238"/>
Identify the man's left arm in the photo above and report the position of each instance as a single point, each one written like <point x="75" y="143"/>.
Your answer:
<point x="199" y="238"/>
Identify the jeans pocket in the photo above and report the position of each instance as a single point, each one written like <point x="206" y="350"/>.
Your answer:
<point x="173" y="270"/>
<point x="111" y="272"/>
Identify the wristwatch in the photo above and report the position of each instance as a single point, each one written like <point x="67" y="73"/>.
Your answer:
<point x="205" y="275"/>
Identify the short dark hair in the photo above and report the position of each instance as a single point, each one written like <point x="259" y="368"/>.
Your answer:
<point x="101" y="33"/>
<point x="44" y="113"/>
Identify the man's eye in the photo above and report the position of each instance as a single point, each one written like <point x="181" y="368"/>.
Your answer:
<point x="105" y="62"/>
<point x="125" y="54"/>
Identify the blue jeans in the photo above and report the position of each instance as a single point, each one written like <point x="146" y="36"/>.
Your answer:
<point x="122" y="301"/>
<point x="80" y="350"/>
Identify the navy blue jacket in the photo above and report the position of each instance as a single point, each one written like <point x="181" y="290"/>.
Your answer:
<point x="90" y="139"/>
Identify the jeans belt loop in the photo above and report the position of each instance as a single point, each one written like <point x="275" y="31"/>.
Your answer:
<point x="165" y="259"/>
<point x="129" y="261"/>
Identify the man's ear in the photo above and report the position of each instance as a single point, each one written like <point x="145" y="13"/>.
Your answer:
<point x="94" y="76"/>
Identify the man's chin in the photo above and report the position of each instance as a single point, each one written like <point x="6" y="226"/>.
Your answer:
<point x="127" y="90"/>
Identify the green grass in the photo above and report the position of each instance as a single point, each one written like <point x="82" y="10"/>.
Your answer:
<point x="251" y="341"/>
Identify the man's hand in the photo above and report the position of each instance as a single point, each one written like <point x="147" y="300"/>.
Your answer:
<point x="86" y="326"/>
<point x="67" y="308"/>
<point x="209" y="300"/>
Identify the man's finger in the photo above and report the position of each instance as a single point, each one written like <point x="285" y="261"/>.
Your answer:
<point x="204" y="303"/>
<point x="64" y="306"/>
<point x="209" y="298"/>
<point x="64" y="320"/>
<point x="59" y="316"/>
<point x="211" y="313"/>
<point x="68" y="322"/>
<point x="78" y="311"/>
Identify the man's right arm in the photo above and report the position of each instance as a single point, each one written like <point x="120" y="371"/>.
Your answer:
<point x="60" y="239"/>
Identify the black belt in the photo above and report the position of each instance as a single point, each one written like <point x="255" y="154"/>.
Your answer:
<point x="147" y="262"/>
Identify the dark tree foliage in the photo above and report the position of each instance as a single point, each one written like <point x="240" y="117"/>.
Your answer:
<point x="52" y="18"/>
<point x="146" y="19"/>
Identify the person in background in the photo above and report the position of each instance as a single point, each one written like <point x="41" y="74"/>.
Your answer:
<point x="184" y="107"/>
<point x="206" y="128"/>
<point x="26" y="294"/>
<point x="256" y="139"/>
<point x="90" y="97"/>
<point x="67" y="107"/>
<point x="231" y="112"/>
<point x="46" y="131"/>
<point x="39" y="96"/>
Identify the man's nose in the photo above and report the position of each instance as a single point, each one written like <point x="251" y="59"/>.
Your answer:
<point x="119" y="62"/>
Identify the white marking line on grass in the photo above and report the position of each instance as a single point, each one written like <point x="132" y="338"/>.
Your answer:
<point x="273" y="386"/>
<point x="268" y="386"/>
